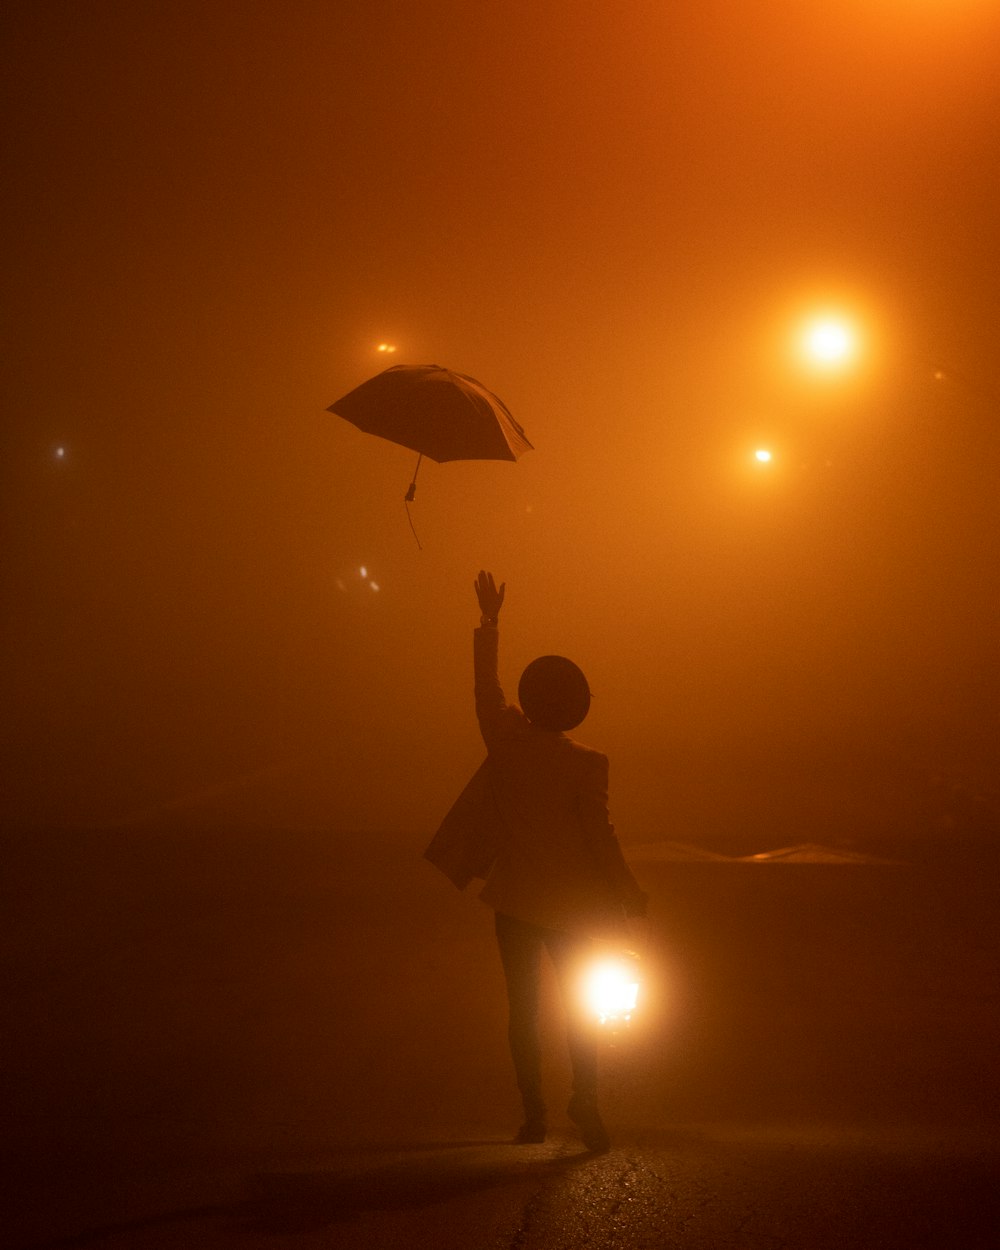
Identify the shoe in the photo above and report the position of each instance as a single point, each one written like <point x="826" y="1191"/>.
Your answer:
<point x="584" y="1114"/>
<point x="532" y="1131"/>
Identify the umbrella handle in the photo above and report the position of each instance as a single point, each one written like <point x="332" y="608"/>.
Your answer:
<point x="413" y="485"/>
<point x="408" y="498"/>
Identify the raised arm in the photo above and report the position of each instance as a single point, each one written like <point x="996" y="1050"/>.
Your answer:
<point x="491" y="704"/>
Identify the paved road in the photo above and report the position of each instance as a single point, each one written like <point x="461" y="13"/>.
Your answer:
<point x="698" y="1188"/>
<point x="246" y="1041"/>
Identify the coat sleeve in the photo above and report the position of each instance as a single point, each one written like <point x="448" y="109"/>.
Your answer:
<point x="600" y="833"/>
<point x="495" y="718"/>
<point x="466" y="842"/>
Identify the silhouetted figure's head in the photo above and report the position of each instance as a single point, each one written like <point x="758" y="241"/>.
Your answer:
<point x="553" y="693"/>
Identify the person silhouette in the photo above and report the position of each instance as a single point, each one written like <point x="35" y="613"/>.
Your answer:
<point x="533" y="822"/>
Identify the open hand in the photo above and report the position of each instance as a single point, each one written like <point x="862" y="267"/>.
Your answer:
<point x="490" y="598"/>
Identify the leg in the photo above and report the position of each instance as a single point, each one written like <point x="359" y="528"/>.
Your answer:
<point x="520" y="947"/>
<point x="569" y="955"/>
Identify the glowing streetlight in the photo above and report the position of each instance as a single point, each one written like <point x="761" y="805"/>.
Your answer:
<point x="386" y="348"/>
<point x="829" y="341"/>
<point x="763" y="456"/>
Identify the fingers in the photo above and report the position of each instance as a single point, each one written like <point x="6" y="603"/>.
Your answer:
<point x="490" y="598"/>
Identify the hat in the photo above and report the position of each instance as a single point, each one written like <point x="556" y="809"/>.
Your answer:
<point x="553" y="693"/>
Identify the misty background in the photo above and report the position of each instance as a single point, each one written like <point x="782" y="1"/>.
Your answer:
<point x="613" y="217"/>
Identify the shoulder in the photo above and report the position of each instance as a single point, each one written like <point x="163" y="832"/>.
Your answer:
<point x="514" y="719"/>
<point x="587" y="757"/>
<point x="510" y="723"/>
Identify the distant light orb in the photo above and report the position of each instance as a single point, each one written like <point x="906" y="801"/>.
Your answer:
<point x="388" y="348"/>
<point x="363" y="571"/>
<point x="375" y="585"/>
<point x="829" y="341"/>
<point x="60" y="453"/>
<point x="763" y="455"/>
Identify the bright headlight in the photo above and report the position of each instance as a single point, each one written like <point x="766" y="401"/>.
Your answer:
<point x="611" y="988"/>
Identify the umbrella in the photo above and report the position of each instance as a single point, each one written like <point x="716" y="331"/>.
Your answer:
<point x="435" y="412"/>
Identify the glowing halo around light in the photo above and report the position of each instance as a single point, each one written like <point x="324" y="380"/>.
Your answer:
<point x="763" y="456"/>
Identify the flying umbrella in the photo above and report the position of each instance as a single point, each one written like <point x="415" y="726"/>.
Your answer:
<point x="436" y="413"/>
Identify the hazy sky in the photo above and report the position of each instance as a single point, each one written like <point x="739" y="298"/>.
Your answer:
<point x="615" y="217"/>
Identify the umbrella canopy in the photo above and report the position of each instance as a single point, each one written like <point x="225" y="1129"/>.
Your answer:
<point x="435" y="412"/>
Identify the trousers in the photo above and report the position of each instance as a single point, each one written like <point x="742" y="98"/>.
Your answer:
<point x="521" y="945"/>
